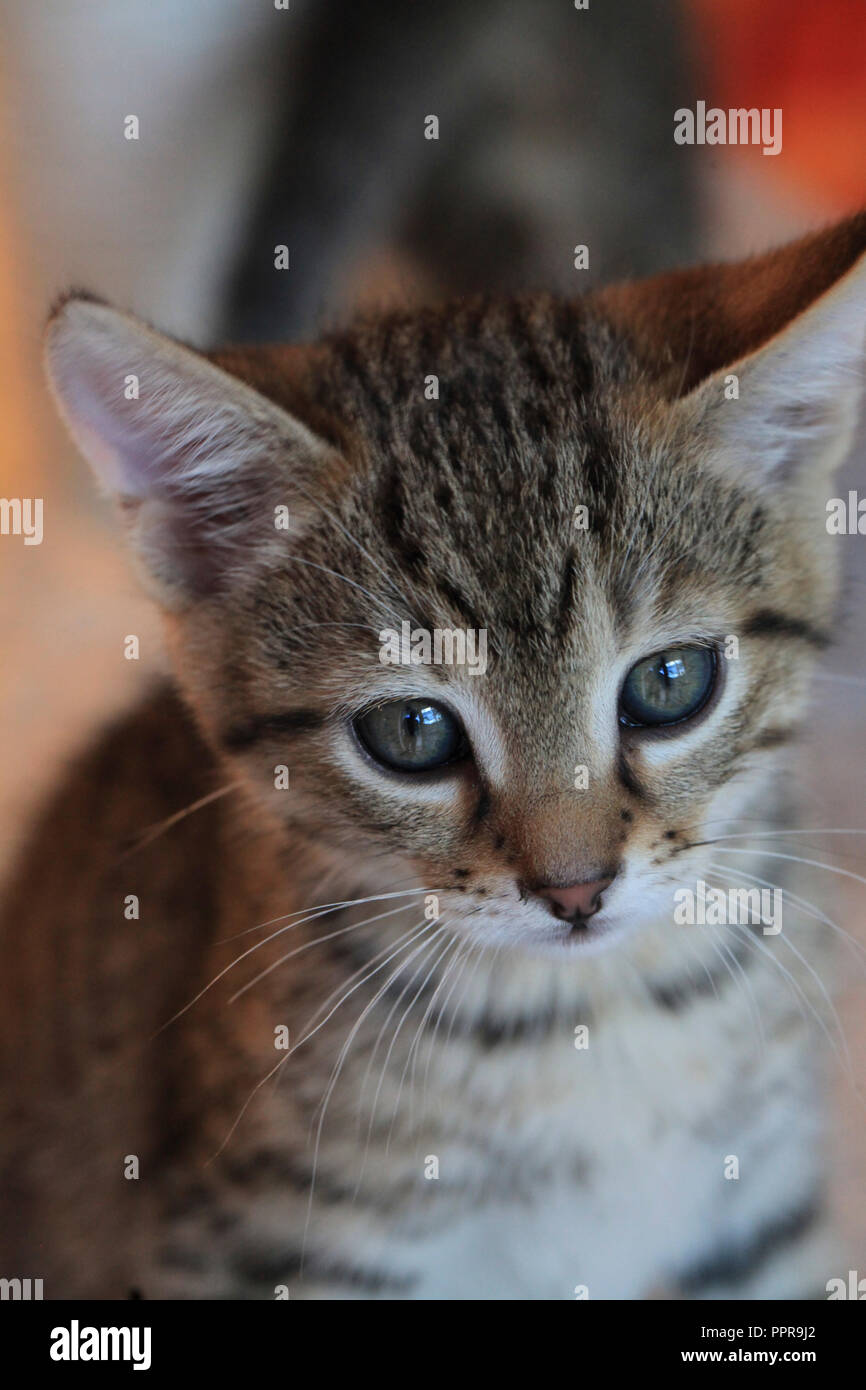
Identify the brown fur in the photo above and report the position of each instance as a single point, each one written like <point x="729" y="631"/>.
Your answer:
<point x="452" y="513"/>
<point x="689" y="323"/>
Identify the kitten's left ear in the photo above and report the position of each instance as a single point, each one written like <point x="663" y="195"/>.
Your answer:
<point x="196" y="459"/>
<point x="787" y="413"/>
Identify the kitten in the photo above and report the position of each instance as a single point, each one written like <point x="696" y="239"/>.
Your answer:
<point x="510" y="1072"/>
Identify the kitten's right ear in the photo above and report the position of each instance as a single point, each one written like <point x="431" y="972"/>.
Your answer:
<point x="763" y="360"/>
<point x="197" y="460"/>
<point x="798" y="397"/>
<point x="687" y="325"/>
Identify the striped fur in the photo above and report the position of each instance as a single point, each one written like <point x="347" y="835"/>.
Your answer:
<point x="446" y="1046"/>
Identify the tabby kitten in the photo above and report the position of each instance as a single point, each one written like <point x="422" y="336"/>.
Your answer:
<point x="422" y="1023"/>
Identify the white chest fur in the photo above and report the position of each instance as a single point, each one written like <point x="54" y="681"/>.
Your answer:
<point x="605" y="1172"/>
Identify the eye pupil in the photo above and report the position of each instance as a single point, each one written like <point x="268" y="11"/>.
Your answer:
<point x="669" y="687"/>
<point x="411" y="735"/>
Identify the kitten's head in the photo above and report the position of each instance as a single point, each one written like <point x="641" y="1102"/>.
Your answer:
<point x="613" y="510"/>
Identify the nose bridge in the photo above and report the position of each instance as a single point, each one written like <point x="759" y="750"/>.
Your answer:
<point x="560" y="799"/>
<point x="565" y="838"/>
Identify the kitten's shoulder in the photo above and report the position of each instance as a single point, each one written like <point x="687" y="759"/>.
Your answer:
<point x="149" y="760"/>
<point x="97" y="869"/>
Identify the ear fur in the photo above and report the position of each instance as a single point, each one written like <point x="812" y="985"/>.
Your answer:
<point x="797" y="403"/>
<point x="687" y="325"/>
<point x="763" y="359"/>
<point x="196" y="459"/>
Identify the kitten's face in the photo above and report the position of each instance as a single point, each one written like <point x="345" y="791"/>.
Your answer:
<point x="643" y="549"/>
<point x="554" y="766"/>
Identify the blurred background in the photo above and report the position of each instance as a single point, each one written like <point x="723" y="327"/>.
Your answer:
<point x="304" y="126"/>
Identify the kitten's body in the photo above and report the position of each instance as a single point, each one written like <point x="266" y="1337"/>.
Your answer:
<point x="559" y="1167"/>
<point x="500" y="1159"/>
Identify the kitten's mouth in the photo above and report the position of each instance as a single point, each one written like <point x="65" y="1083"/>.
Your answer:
<point x="593" y="935"/>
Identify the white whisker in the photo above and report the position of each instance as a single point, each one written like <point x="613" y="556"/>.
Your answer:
<point x="795" y="858"/>
<point x="299" y="560"/>
<point x="317" y="941"/>
<point x="274" y="1070"/>
<point x="248" y="952"/>
<point x="347" y="902"/>
<point x="153" y="832"/>
<point x="424" y="947"/>
<point x="408" y="985"/>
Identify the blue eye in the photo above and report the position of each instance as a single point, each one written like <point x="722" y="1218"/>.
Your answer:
<point x="411" y="735"/>
<point x="668" y="687"/>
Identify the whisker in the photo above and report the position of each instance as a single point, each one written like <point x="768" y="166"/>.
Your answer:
<point x="835" y="1016"/>
<point x="815" y="976"/>
<point x="371" y="1059"/>
<point x="449" y="945"/>
<point x="744" y="984"/>
<point x="799" y="995"/>
<point x="795" y="858"/>
<point x="834" y="1013"/>
<point x="243" y="1110"/>
<point x="248" y="952"/>
<point x="777" y="832"/>
<point x="473" y="948"/>
<point x="273" y="1070"/>
<point x="460" y="954"/>
<point x="153" y="832"/>
<point x="709" y="974"/>
<point x="408" y="985"/>
<point x="335" y="1075"/>
<point x="317" y="941"/>
<point x="419" y="932"/>
<point x="299" y="560"/>
<point x="348" y="902"/>
<point x="806" y="830"/>
<point x="759" y="946"/>
<point x="473" y="972"/>
<point x="355" y="975"/>
<point x="810" y="909"/>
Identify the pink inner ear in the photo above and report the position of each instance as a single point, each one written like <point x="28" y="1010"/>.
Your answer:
<point x="118" y="436"/>
<point x="113" y="463"/>
<point x="204" y="455"/>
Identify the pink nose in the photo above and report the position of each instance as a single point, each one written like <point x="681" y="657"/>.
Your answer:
<point x="578" y="899"/>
